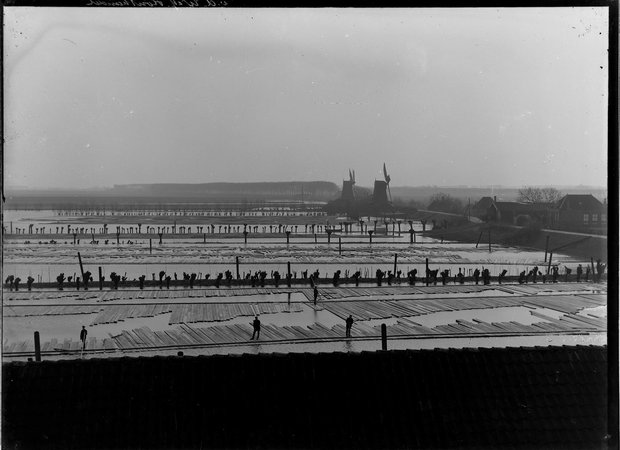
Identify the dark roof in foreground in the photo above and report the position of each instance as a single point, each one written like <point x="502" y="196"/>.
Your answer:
<point x="542" y="397"/>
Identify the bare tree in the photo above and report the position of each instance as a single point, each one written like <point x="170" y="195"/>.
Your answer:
<point x="532" y="194"/>
<point x="551" y="195"/>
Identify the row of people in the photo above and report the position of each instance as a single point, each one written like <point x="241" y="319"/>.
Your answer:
<point x="260" y="277"/>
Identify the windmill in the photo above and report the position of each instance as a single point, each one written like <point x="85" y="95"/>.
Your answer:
<point x="347" y="187"/>
<point x="387" y="181"/>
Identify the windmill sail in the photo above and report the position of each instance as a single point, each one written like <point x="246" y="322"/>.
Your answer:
<point x="385" y="174"/>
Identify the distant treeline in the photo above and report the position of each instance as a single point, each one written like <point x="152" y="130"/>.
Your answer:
<point x="170" y="194"/>
<point x="422" y="194"/>
<point x="167" y="195"/>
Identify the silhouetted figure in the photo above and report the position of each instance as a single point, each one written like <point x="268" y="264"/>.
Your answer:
<point x="522" y="277"/>
<point x="567" y="273"/>
<point x="349" y="324"/>
<point x="83" y="335"/>
<point x="460" y="276"/>
<point x="477" y="275"/>
<point x="486" y="276"/>
<point x="218" y="280"/>
<point x="390" y="277"/>
<point x="600" y="269"/>
<point x="192" y="278"/>
<point x="9" y="282"/>
<point x="432" y="275"/>
<point x="77" y="283"/>
<point x="29" y="282"/>
<point x="16" y="283"/>
<point x="501" y="276"/>
<point x="356" y="277"/>
<point x="555" y="274"/>
<point x="256" y="325"/>
<point x="444" y="276"/>
<point x="168" y="278"/>
<point x="87" y="277"/>
<point x="587" y="272"/>
<point x="162" y="274"/>
<point x="276" y="278"/>
<point x="535" y="273"/>
<point x="336" y="278"/>
<point x="380" y="274"/>
<point x="411" y="275"/>
<point x="316" y="294"/>
<point x="579" y="272"/>
<point x="141" y="280"/>
<point x="116" y="279"/>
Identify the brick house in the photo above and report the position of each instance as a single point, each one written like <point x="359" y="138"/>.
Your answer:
<point x="578" y="212"/>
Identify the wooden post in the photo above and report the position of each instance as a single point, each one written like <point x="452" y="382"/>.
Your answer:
<point x="37" y="347"/>
<point x="237" y="264"/>
<point x="479" y="237"/>
<point x="11" y="227"/>
<point x="340" y="246"/>
<point x="546" y="248"/>
<point x="100" y="279"/>
<point x="204" y="238"/>
<point x="549" y="265"/>
<point x="426" y="277"/>
<point x="593" y="272"/>
<point x="489" y="240"/>
<point x="81" y="267"/>
<point x="118" y="237"/>
<point x="411" y="236"/>
<point x="370" y="235"/>
<point x="245" y="237"/>
<point x="160" y="236"/>
<point x="383" y="337"/>
<point x="395" y="261"/>
<point x="315" y="238"/>
<point x="288" y="235"/>
<point x="151" y="246"/>
<point x="288" y="271"/>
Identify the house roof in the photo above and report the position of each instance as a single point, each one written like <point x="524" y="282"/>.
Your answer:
<point x="518" y="398"/>
<point x="483" y="203"/>
<point x="520" y="207"/>
<point x="580" y="202"/>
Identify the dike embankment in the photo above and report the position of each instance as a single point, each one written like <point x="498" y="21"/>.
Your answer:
<point x="572" y="244"/>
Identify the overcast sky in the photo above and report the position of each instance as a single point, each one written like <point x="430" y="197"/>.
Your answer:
<point x="103" y="96"/>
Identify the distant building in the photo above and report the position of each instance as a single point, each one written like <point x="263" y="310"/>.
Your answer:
<point x="516" y="213"/>
<point x="347" y="191"/>
<point x="481" y="208"/>
<point x="579" y="212"/>
<point x="379" y="194"/>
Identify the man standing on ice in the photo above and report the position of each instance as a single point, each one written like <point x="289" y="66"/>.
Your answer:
<point x="83" y="334"/>
<point x="349" y="323"/>
<point x="256" y="325"/>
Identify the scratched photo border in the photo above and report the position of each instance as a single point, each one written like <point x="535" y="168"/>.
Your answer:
<point x="612" y="138"/>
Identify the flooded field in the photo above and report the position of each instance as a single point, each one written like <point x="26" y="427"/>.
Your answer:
<point x="209" y="320"/>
